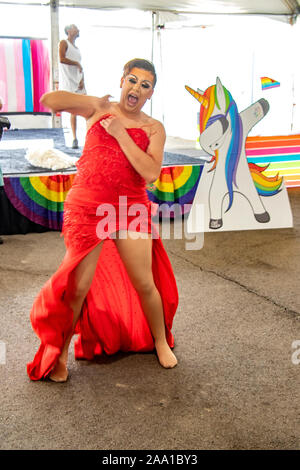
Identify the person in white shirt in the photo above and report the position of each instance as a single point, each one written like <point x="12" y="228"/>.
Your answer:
<point x="70" y="70"/>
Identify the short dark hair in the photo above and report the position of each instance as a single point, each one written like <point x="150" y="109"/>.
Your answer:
<point x="68" y="27"/>
<point x="140" y="64"/>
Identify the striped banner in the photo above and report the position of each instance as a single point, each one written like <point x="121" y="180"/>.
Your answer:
<point x="282" y="153"/>
<point x="24" y="74"/>
<point x="20" y="82"/>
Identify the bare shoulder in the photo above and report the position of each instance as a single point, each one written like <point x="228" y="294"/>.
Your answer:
<point x="153" y="127"/>
<point x="63" y="43"/>
<point x="63" y="46"/>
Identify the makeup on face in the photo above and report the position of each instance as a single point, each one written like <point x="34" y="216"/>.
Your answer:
<point x="137" y="85"/>
<point x="133" y="79"/>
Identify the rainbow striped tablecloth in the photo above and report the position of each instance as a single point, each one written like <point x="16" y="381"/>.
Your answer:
<point x="176" y="185"/>
<point x="41" y="198"/>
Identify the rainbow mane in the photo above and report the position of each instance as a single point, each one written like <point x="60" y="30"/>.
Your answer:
<point x="235" y="147"/>
<point x="265" y="186"/>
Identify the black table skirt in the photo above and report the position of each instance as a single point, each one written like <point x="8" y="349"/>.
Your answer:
<point x="12" y="222"/>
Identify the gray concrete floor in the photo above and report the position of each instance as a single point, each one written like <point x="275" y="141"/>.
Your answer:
<point x="235" y="386"/>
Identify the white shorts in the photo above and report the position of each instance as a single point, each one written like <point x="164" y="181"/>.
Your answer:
<point x="70" y="89"/>
<point x="80" y="92"/>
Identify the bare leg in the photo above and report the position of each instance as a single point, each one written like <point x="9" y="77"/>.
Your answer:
<point x="80" y="282"/>
<point x="136" y="255"/>
<point x="73" y="125"/>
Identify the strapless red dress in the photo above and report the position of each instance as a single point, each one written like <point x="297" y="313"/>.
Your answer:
<point x="112" y="318"/>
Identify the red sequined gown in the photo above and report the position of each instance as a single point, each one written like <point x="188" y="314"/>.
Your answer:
<point x="112" y="318"/>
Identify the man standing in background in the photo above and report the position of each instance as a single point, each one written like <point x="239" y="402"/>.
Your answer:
<point x="70" y="70"/>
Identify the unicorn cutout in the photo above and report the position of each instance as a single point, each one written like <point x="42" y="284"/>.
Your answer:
<point x="223" y="133"/>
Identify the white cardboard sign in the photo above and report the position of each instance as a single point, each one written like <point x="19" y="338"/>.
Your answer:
<point x="236" y="195"/>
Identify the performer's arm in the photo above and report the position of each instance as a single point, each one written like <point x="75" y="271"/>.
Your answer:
<point x="63" y="46"/>
<point x="74" y="103"/>
<point x="147" y="164"/>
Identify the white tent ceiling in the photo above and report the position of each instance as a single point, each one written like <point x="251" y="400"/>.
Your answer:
<point x="197" y="6"/>
<point x="253" y="7"/>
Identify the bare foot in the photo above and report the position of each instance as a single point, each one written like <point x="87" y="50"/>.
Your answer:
<point x="165" y="355"/>
<point x="59" y="372"/>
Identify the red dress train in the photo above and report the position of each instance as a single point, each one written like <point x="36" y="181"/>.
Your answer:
<point x="112" y="318"/>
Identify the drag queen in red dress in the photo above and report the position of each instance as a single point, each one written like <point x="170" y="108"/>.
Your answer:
<point x="115" y="287"/>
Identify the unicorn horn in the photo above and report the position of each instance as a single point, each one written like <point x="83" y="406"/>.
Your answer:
<point x="202" y="99"/>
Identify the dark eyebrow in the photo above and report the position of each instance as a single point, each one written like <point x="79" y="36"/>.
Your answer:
<point x="134" y="76"/>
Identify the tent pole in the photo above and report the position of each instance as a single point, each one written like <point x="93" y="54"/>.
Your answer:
<point x="253" y="68"/>
<point x="153" y="33"/>
<point x="54" y="34"/>
<point x="294" y="41"/>
<point x="152" y="48"/>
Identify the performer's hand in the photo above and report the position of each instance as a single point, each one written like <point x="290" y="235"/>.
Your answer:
<point x="102" y="105"/>
<point x="104" y="102"/>
<point x="113" y="126"/>
<point x="79" y="67"/>
<point x="81" y="84"/>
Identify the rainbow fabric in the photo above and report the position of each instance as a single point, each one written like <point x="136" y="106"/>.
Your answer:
<point x="267" y="83"/>
<point x="175" y="185"/>
<point x="40" y="198"/>
<point x="24" y="74"/>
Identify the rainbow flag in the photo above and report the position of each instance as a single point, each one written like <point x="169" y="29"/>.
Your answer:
<point x="280" y="153"/>
<point x="24" y="75"/>
<point x="267" y="83"/>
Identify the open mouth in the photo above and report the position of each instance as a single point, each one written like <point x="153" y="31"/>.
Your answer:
<point x="132" y="99"/>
